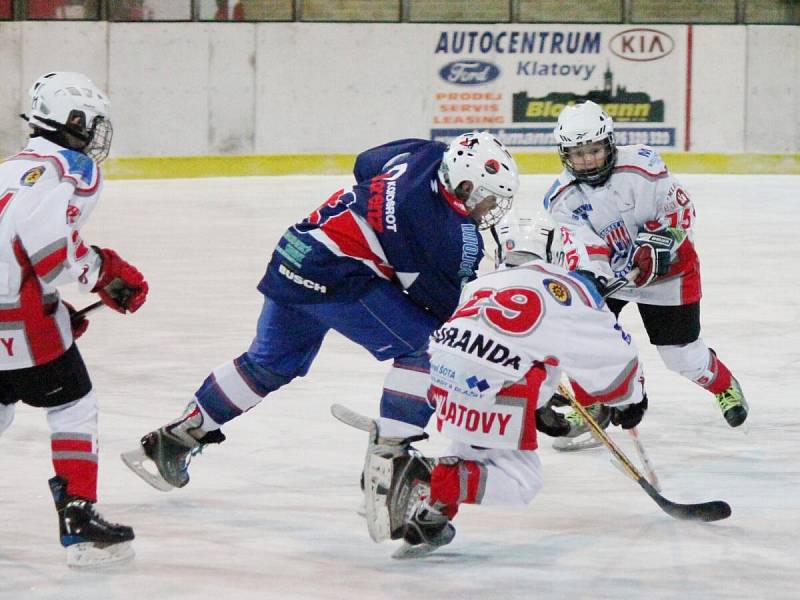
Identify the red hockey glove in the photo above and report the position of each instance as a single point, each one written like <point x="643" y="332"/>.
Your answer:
<point x="652" y="256"/>
<point x="120" y="285"/>
<point x="79" y="324"/>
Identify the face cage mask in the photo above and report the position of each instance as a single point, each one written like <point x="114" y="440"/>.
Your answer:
<point x="594" y="176"/>
<point x="493" y="217"/>
<point x="99" y="143"/>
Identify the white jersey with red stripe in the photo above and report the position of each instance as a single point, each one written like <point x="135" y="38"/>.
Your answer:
<point x="46" y="194"/>
<point x="501" y="354"/>
<point x="641" y="195"/>
<point x="584" y="250"/>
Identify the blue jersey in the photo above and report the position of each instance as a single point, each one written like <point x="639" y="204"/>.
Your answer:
<point x="394" y="224"/>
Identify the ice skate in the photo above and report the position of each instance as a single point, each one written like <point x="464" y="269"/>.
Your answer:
<point x="90" y="540"/>
<point x="393" y="475"/>
<point x="426" y="530"/>
<point x="163" y="457"/>
<point x="732" y="404"/>
<point x="579" y="436"/>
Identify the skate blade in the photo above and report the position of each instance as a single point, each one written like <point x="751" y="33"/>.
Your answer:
<point x="584" y="441"/>
<point x="136" y="461"/>
<point x="88" y="556"/>
<point x="407" y="551"/>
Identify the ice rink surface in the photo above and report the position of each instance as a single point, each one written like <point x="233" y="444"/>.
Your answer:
<point x="271" y="514"/>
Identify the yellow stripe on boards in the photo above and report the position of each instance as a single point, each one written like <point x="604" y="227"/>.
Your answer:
<point x="530" y="163"/>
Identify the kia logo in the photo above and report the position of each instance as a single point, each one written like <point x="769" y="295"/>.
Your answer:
<point x="641" y="44"/>
<point x="469" y="72"/>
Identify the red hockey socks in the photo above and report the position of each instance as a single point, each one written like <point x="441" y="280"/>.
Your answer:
<point x="454" y="483"/>
<point x="716" y="378"/>
<point x="75" y="460"/>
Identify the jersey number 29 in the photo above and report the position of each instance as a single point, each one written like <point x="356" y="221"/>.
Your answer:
<point x="513" y="310"/>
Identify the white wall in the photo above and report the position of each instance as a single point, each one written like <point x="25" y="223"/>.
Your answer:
<point x="772" y="101"/>
<point x="284" y="88"/>
<point x="719" y="97"/>
<point x="338" y="87"/>
<point x="28" y="50"/>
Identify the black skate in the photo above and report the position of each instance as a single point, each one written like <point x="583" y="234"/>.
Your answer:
<point x="170" y="449"/>
<point x="732" y="404"/>
<point x="426" y="530"/>
<point x="90" y="540"/>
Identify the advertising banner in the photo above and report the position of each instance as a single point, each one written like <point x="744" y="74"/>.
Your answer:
<point x="513" y="80"/>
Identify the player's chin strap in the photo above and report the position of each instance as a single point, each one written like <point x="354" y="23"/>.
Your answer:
<point x="499" y="245"/>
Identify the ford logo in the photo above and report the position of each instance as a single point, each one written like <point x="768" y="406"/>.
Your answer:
<point x="641" y="44"/>
<point x="469" y="72"/>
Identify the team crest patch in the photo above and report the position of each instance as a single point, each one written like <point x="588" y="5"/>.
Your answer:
<point x="558" y="291"/>
<point x="31" y="176"/>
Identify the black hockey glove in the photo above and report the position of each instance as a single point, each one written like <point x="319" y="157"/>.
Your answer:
<point x="558" y="400"/>
<point x="630" y="415"/>
<point x="551" y="422"/>
<point x="652" y="255"/>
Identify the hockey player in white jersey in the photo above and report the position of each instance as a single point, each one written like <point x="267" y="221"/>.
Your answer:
<point x="47" y="192"/>
<point x="496" y="363"/>
<point x="644" y="217"/>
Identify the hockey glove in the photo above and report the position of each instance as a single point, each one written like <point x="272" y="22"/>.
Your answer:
<point x="551" y="422"/>
<point x="79" y="324"/>
<point x="120" y="285"/>
<point x="651" y="256"/>
<point x="630" y="415"/>
<point x="558" y="400"/>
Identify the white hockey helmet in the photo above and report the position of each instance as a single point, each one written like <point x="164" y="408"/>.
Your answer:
<point x="528" y="232"/>
<point x="582" y="124"/>
<point x="71" y="105"/>
<point x="475" y="167"/>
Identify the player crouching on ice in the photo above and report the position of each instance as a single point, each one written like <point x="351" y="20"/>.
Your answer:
<point x="50" y="189"/>
<point x="494" y="367"/>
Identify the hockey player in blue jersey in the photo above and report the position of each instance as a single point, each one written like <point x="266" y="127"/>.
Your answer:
<point x="382" y="263"/>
